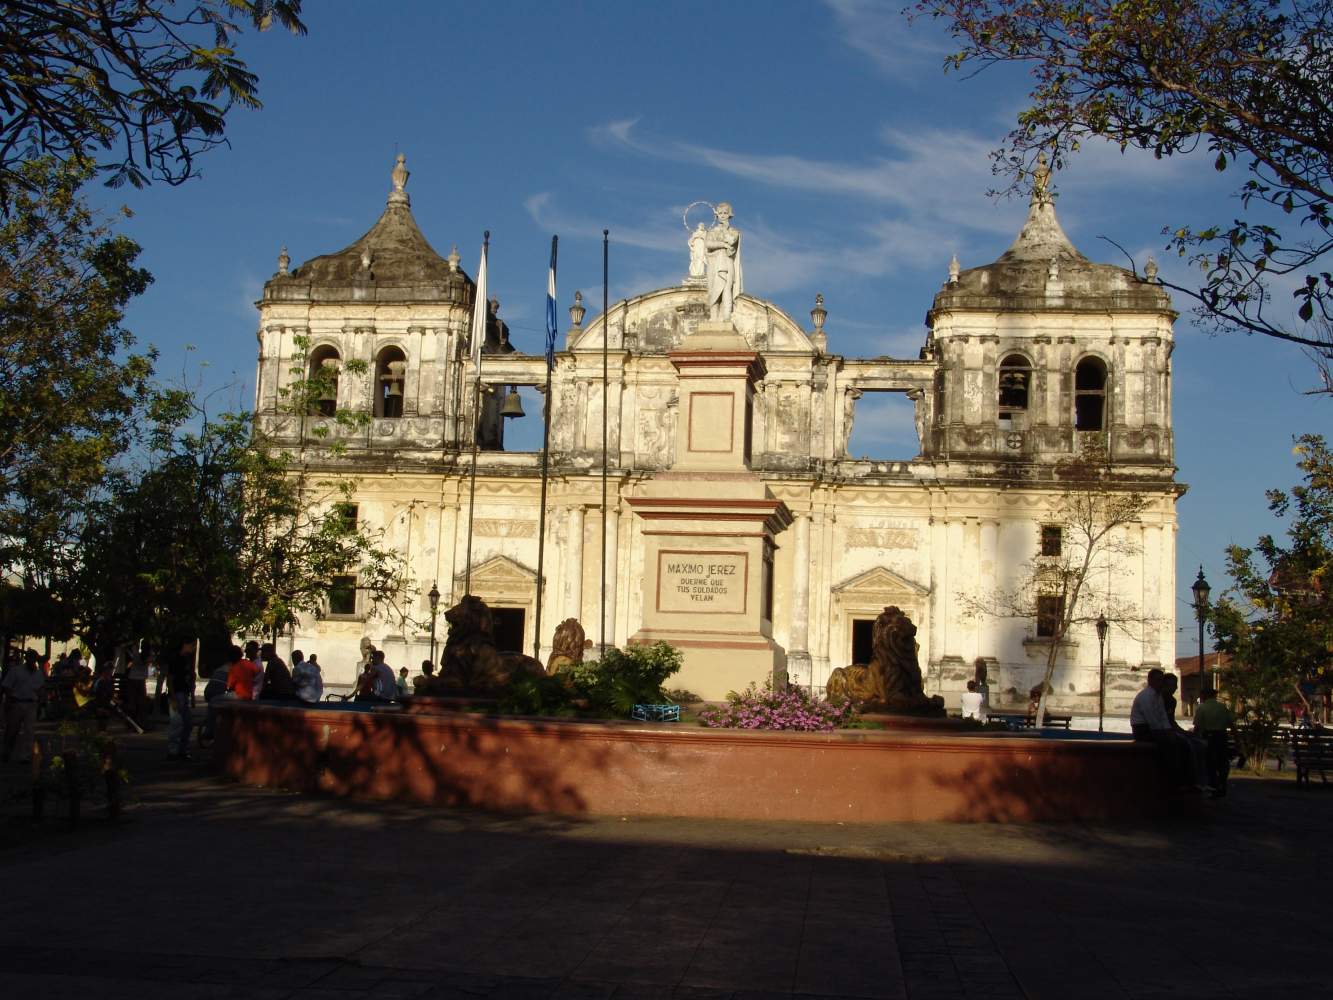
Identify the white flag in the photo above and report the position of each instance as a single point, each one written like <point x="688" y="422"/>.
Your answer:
<point x="480" y="313"/>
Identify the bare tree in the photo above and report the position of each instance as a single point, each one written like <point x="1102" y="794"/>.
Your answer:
<point x="1081" y="538"/>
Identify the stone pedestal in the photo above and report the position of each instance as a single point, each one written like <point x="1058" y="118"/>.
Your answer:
<point x="708" y="526"/>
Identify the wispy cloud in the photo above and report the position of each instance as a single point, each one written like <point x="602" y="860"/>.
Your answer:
<point x="879" y="31"/>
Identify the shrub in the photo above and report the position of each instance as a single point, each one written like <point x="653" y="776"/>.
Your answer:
<point x="602" y="689"/>
<point x="621" y="679"/>
<point x="785" y="708"/>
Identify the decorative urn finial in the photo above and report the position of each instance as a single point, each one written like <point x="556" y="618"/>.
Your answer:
<point x="576" y="311"/>
<point x="954" y="270"/>
<point x="284" y="262"/>
<point x="1150" y="269"/>
<point x="818" y="314"/>
<point x="453" y="259"/>
<point x="494" y="303"/>
<point x="399" y="175"/>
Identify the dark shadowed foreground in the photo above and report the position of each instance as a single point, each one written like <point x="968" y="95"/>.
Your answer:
<point x="207" y="889"/>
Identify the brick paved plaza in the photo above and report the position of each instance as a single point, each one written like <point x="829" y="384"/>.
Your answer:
<point x="207" y="889"/>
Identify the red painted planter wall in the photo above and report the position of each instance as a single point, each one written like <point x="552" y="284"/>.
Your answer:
<point x="860" y="776"/>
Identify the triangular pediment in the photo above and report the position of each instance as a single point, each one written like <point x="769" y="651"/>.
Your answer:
<point x="499" y="573"/>
<point x="879" y="582"/>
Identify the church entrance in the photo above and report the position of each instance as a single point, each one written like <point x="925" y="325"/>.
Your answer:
<point x="509" y="629"/>
<point x="863" y="640"/>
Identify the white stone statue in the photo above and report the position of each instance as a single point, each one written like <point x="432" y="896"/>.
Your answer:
<point x="697" y="251"/>
<point x="848" y="414"/>
<point x="722" y="242"/>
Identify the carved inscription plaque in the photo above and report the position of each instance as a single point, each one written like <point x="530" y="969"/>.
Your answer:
<point x="709" y="583"/>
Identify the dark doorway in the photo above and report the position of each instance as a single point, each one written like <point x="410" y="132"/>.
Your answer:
<point x="863" y="640"/>
<point x="508" y="629"/>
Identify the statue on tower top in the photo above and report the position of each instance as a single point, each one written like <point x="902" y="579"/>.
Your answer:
<point x="722" y="245"/>
<point x="399" y="175"/>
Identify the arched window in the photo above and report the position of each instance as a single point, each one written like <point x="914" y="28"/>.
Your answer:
<point x="1090" y="395"/>
<point x="1015" y="380"/>
<point x="390" y="369"/>
<point x="324" y="367"/>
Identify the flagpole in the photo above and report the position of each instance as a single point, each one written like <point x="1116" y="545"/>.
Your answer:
<point x="546" y="451"/>
<point x="478" y="336"/>
<point x="606" y="406"/>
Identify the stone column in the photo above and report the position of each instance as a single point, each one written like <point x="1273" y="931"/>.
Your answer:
<point x="611" y="525"/>
<point x="573" y="555"/>
<point x="799" y="666"/>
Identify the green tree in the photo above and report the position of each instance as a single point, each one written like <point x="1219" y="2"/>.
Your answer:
<point x="1276" y="618"/>
<point x="1247" y="81"/>
<point x="213" y="532"/>
<point x="69" y="383"/>
<point x="1052" y="592"/>
<point x="138" y="87"/>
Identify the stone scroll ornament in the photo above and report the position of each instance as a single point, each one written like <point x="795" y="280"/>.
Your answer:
<point x="891" y="682"/>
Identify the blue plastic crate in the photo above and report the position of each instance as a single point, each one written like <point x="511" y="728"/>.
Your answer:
<point x="656" y="713"/>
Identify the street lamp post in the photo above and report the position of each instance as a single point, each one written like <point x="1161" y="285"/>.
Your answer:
<point x="1101" y="671"/>
<point x="434" y="597"/>
<point x="1201" y="592"/>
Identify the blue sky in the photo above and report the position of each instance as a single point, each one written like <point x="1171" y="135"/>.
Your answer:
<point x="856" y="167"/>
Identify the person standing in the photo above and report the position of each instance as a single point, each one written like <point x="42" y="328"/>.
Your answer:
<point x="1214" y="721"/>
<point x="180" y="686"/>
<point x="22" y="686"/>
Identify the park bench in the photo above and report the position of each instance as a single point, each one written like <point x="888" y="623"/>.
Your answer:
<point x="1016" y="720"/>
<point x="1311" y="750"/>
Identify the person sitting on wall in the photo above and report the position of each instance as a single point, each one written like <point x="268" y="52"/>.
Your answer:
<point x="423" y="679"/>
<point x="217" y="688"/>
<point x="1149" y="723"/>
<point x="973" y="705"/>
<point x="307" y="677"/>
<point x="368" y="685"/>
<point x="278" y="684"/>
<point x="244" y="676"/>
<point x="404" y="689"/>
<point x="386" y="684"/>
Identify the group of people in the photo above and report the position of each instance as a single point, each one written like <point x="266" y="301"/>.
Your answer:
<point x="1201" y="758"/>
<point x="33" y="687"/>
<point x="377" y="682"/>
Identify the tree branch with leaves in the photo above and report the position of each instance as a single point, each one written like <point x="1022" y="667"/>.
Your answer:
<point x="1249" y="82"/>
<point x="137" y="89"/>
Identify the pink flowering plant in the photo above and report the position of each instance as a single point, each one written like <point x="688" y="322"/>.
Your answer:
<point x="780" y="708"/>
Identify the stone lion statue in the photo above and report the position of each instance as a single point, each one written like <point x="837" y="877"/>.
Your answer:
<point x="567" y="646"/>
<point x="891" y="681"/>
<point x="470" y="663"/>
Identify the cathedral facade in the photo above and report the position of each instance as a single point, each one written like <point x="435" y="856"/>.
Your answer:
<point x="1026" y="362"/>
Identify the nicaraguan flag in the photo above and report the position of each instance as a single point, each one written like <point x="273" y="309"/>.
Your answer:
<point x="480" y="312"/>
<point x="550" y="307"/>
